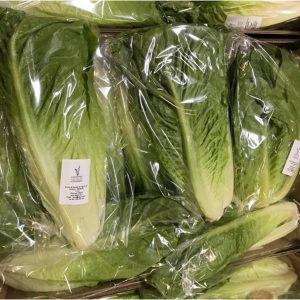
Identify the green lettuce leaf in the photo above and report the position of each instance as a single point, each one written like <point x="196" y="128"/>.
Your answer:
<point x="129" y="139"/>
<point x="19" y="204"/>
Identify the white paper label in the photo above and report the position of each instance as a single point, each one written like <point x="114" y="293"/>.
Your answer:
<point x="293" y="160"/>
<point x="74" y="181"/>
<point x="243" y="22"/>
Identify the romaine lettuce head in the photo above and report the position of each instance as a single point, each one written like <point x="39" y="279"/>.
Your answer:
<point x="265" y="121"/>
<point x="268" y="277"/>
<point x="101" y="12"/>
<point x="270" y="12"/>
<point x="233" y="14"/>
<point x="153" y="233"/>
<point x="194" y="265"/>
<point x="175" y="78"/>
<point x="47" y="82"/>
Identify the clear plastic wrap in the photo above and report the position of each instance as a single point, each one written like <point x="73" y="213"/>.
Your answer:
<point x="106" y="13"/>
<point x="51" y="105"/>
<point x="176" y="192"/>
<point x="40" y="273"/>
<point x="266" y="278"/>
<point x="200" y="263"/>
<point x="265" y="121"/>
<point x="19" y="208"/>
<point x="234" y="14"/>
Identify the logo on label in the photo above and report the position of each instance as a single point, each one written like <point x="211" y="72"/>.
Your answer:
<point x="76" y="178"/>
<point x="77" y="171"/>
<point x="74" y="182"/>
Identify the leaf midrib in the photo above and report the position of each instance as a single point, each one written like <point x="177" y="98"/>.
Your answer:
<point x="187" y="146"/>
<point x="45" y="170"/>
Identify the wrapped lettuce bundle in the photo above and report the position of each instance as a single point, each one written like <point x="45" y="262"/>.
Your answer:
<point x="266" y="278"/>
<point x="107" y="13"/>
<point x="233" y="14"/>
<point x="196" y="264"/>
<point x="153" y="234"/>
<point x="47" y="83"/>
<point x="265" y="122"/>
<point x="172" y="94"/>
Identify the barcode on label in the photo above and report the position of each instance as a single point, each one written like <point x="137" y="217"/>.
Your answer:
<point x="293" y="161"/>
<point x="243" y="22"/>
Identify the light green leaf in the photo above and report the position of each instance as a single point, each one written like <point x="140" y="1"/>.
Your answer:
<point x="269" y="277"/>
